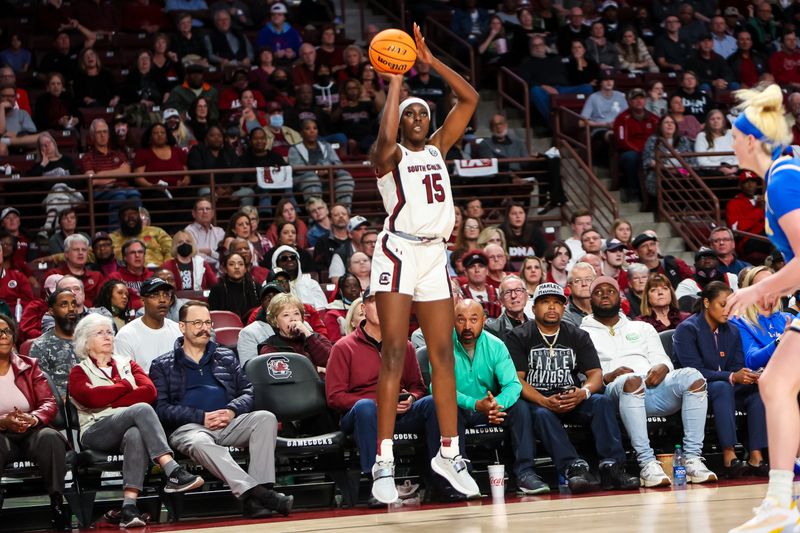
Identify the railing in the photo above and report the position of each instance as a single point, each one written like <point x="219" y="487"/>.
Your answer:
<point x="451" y="49"/>
<point x="26" y="193"/>
<point x="683" y="198"/>
<point x="572" y="129"/>
<point x="584" y="190"/>
<point x="513" y="90"/>
<point x="394" y="10"/>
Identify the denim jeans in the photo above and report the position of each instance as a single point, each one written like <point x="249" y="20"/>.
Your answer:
<point x="667" y="398"/>
<point x="362" y="421"/>
<point x="541" y="98"/>
<point x="137" y="433"/>
<point x="725" y="400"/>
<point x="599" y="411"/>
<point x="117" y="197"/>
<point x="518" y="420"/>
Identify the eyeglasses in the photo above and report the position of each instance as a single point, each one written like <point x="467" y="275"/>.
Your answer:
<point x="582" y="281"/>
<point x="369" y="243"/>
<point x="104" y="333"/>
<point x="285" y="258"/>
<point x="720" y="240"/>
<point x="197" y="324"/>
<point x="471" y="226"/>
<point x="496" y="257"/>
<point x="519" y="291"/>
<point x="5" y="332"/>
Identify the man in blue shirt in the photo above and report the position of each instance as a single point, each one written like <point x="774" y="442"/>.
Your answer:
<point x="205" y="398"/>
<point x="487" y="391"/>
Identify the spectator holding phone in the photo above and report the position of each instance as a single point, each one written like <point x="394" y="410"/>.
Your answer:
<point x="707" y="342"/>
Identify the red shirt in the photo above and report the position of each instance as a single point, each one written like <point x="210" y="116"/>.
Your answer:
<point x="133" y="282"/>
<point x="177" y="161"/>
<point x="785" y="66"/>
<point x="740" y="213"/>
<point x="98" y="162"/>
<point x="92" y="281"/>
<point x="631" y="133"/>
<point x="23" y="102"/>
<point x="120" y="394"/>
<point x="748" y="73"/>
<point x="14" y="284"/>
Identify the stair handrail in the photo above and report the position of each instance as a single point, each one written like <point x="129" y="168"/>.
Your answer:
<point x="503" y="97"/>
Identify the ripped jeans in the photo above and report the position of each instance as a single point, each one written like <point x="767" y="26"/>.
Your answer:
<point x="667" y="398"/>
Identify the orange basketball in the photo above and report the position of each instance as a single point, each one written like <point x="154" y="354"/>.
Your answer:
<point x="392" y="51"/>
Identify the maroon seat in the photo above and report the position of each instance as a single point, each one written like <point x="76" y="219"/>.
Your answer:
<point x="226" y="319"/>
<point x="227" y="337"/>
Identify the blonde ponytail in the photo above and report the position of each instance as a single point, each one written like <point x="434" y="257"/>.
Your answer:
<point x="763" y="107"/>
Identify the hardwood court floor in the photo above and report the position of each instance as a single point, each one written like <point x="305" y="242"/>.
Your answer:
<point x="697" y="509"/>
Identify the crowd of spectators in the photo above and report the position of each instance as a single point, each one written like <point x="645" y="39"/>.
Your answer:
<point x="559" y="329"/>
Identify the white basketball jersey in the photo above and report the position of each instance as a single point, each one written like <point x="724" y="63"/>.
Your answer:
<point x="417" y="195"/>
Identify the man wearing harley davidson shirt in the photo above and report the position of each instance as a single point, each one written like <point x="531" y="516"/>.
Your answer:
<point x="560" y="373"/>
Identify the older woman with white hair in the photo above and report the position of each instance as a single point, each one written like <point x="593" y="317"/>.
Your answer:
<point x="190" y="271"/>
<point x="113" y="395"/>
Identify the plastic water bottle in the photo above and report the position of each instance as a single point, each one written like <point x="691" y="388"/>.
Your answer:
<point x="18" y="310"/>
<point x="678" y="467"/>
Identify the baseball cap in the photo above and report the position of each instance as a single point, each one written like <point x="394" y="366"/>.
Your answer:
<point x="7" y="211"/>
<point x="356" y="222"/>
<point x="154" y="285"/>
<point x="643" y="238"/>
<point x="549" y="289"/>
<point x="270" y="286"/>
<point x="474" y="256"/>
<point x="367" y="294"/>
<point x="278" y="8"/>
<point x="731" y="11"/>
<point x="636" y="92"/>
<point x="194" y="68"/>
<point x="704" y="252"/>
<point x="747" y="175"/>
<point x="169" y="113"/>
<point x="607" y="74"/>
<point x="613" y="244"/>
<point x="100" y="236"/>
<point x="608" y="4"/>
<point x="277" y="271"/>
<point x="601" y="280"/>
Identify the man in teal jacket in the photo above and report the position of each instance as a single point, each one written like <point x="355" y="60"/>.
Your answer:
<point x="487" y="390"/>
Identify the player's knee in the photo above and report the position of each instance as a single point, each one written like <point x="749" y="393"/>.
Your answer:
<point x="633" y="385"/>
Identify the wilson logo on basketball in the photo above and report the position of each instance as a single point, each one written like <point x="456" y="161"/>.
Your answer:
<point x="382" y="60"/>
<point x="397" y="49"/>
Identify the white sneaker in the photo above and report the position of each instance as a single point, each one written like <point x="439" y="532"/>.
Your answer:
<point x="383" y="487"/>
<point x="770" y="518"/>
<point x="652" y="475"/>
<point x="696" y="471"/>
<point x="456" y="473"/>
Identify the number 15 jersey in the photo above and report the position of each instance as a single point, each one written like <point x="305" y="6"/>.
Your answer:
<point x="417" y="195"/>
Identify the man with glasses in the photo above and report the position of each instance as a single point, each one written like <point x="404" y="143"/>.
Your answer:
<point x="356" y="227"/>
<point x="108" y="168"/>
<point x="7" y="75"/>
<point x="206" y="401"/>
<point x="134" y="272"/>
<point x="671" y="50"/>
<point x="675" y="268"/>
<point x="152" y="334"/>
<point x="641" y="380"/>
<point x="477" y="288"/>
<point x="206" y="235"/>
<point x="301" y="285"/>
<point x="514" y="298"/>
<point x="16" y="125"/>
<point x="368" y="241"/>
<point x="76" y="257"/>
<point x="579" y="304"/>
<point x="561" y="382"/>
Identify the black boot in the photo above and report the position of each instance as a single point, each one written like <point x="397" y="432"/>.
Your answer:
<point x="60" y="519"/>
<point x="277" y="501"/>
<point x="253" y="504"/>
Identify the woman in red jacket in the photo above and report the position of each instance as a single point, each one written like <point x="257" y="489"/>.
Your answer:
<point x="113" y="396"/>
<point x="27" y="406"/>
<point x="348" y="289"/>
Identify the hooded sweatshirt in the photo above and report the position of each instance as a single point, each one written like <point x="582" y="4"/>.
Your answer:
<point x="629" y="343"/>
<point x="303" y="286"/>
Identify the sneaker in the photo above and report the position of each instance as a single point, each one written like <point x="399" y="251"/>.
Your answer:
<point x="277" y="501"/>
<point x="383" y="487"/>
<point x="614" y="476"/>
<point x="131" y="517"/>
<point x="652" y="475"/>
<point x="182" y="481"/>
<point x="456" y="473"/>
<point x="579" y="477"/>
<point x="253" y="507"/>
<point x="530" y="484"/>
<point x="769" y="518"/>
<point x="696" y="471"/>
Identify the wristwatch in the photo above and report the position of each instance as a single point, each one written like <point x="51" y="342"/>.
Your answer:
<point x="588" y="392"/>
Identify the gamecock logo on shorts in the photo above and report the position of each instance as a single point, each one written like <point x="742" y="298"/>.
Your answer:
<point x="278" y="367"/>
<point x="384" y="278"/>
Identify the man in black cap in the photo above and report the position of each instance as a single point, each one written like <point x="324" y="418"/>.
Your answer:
<point x="613" y="255"/>
<point x="476" y="265"/>
<point x="152" y="334"/>
<point x="676" y="270"/>
<point x="104" y="260"/>
<point x="707" y="268"/>
<point x="194" y="86"/>
<point x="158" y="243"/>
<point x="551" y="357"/>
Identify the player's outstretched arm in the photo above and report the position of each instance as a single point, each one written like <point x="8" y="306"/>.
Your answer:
<point x="467" y="97"/>
<point x="385" y="155"/>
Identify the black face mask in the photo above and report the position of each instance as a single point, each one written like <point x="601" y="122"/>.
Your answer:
<point x="602" y="312"/>
<point x="280" y="83"/>
<point x="324" y="79"/>
<point x="131" y="231"/>
<point x="184" y="250"/>
<point x="707" y="275"/>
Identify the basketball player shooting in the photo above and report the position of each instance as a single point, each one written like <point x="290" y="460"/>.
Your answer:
<point x="409" y="264"/>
